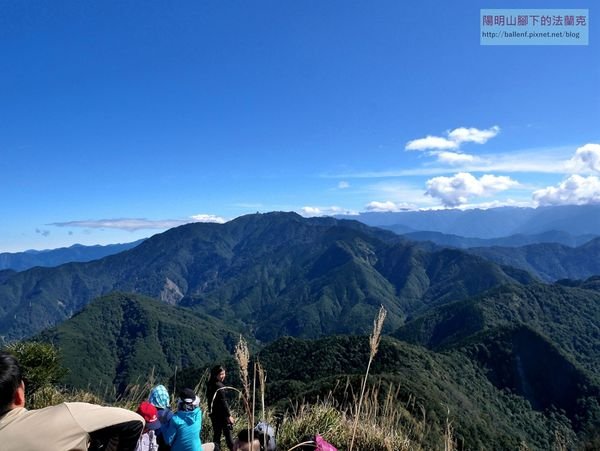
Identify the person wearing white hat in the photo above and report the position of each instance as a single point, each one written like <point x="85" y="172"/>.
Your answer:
<point x="183" y="431"/>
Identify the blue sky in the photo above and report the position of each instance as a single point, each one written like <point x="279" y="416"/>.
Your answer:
<point x="121" y="119"/>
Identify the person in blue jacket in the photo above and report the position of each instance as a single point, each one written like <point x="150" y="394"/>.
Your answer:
<point x="183" y="431"/>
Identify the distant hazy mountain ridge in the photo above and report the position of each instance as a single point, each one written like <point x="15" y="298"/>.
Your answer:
<point x="548" y="261"/>
<point x="493" y="222"/>
<point x="20" y="261"/>
<point x="462" y="242"/>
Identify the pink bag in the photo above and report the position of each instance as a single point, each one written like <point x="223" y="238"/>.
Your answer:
<point x="322" y="445"/>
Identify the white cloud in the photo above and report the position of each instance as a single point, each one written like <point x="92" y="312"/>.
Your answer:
<point x="120" y="223"/>
<point x="133" y="224"/>
<point x="208" y="218"/>
<point x="401" y="193"/>
<point x="343" y="185"/>
<point x="542" y="160"/>
<point x="586" y="159"/>
<point x="431" y="142"/>
<point x="326" y="211"/>
<point x="576" y="190"/>
<point x="388" y="205"/>
<point x="462" y="134"/>
<point x="454" y="158"/>
<point x="455" y="138"/>
<point x="456" y="190"/>
<point x="497" y="203"/>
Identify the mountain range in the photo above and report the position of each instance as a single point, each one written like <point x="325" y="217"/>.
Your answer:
<point x="515" y="359"/>
<point x="512" y="365"/>
<point x="272" y="274"/>
<point x="461" y="242"/>
<point x="548" y="261"/>
<point x="20" y="261"/>
<point x="492" y="222"/>
<point x="502" y="220"/>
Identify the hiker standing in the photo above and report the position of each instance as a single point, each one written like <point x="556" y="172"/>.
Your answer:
<point x="220" y="416"/>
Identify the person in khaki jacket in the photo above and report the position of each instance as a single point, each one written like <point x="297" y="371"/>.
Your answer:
<point x="68" y="426"/>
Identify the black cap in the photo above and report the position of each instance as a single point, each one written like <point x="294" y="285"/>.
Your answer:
<point x="187" y="395"/>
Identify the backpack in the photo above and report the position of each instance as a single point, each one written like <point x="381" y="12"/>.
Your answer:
<point x="265" y="434"/>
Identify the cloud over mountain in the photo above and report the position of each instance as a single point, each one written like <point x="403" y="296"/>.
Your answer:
<point x="376" y="206"/>
<point x="456" y="190"/>
<point x="310" y="211"/>
<point x="133" y="224"/>
<point x="208" y="218"/>
<point x="575" y="190"/>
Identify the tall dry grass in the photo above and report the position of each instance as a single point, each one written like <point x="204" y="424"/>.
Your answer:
<point x="449" y="440"/>
<point x="384" y="426"/>
<point x="242" y="356"/>
<point x="374" y="341"/>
